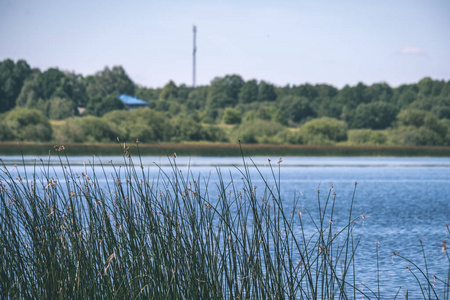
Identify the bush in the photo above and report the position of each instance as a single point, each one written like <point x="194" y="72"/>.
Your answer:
<point x="412" y="117"/>
<point x="5" y="132"/>
<point x="232" y="116"/>
<point x="323" y="131"/>
<point x="413" y="136"/>
<point x="87" y="129"/>
<point x="260" y="131"/>
<point x="366" y="137"/>
<point x="59" y="109"/>
<point x="144" y="124"/>
<point x="28" y="125"/>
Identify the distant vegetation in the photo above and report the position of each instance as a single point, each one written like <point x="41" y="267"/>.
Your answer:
<point x="45" y="106"/>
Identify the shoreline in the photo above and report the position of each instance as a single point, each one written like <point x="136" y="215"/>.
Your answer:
<point x="219" y="150"/>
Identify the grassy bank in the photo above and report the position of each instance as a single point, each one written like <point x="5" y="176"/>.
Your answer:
<point x="222" y="149"/>
<point x="172" y="236"/>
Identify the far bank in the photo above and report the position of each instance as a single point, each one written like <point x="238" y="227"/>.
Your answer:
<point x="216" y="149"/>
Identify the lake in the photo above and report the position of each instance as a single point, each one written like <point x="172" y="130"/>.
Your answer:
<point x="400" y="200"/>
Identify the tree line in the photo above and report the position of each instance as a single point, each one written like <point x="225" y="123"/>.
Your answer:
<point x="45" y="105"/>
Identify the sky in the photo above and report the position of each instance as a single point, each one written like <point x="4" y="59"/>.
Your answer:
<point x="282" y="42"/>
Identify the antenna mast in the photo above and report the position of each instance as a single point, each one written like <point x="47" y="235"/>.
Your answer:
<point x="193" y="54"/>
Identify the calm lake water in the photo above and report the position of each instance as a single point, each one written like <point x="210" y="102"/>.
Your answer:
<point x="403" y="200"/>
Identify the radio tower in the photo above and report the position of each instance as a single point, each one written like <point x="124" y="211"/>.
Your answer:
<point x="194" y="52"/>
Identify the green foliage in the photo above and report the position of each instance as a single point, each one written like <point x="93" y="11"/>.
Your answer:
<point x="307" y="90"/>
<point x="100" y="106"/>
<point x="223" y="92"/>
<point x="144" y="124"/>
<point x="197" y="98"/>
<point x="260" y="131"/>
<point x="109" y="82"/>
<point x="6" y="133"/>
<point x="12" y="77"/>
<point x="58" y="109"/>
<point x="438" y="105"/>
<point x="268" y="113"/>
<point x="374" y="115"/>
<point x="412" y="117"/>
<point x="379" y="92"/>
<point x="414" y="136"/>
<point x="28" y="125"/>
<point x="230" y="99"/>
<point x="323" y="131"/>
<point x="169" y="91"/>
<point x="266" y="92"/>
<point x="296" y="108"/>
<point x="249" y="92"/>
<point x="232" y="116"/>
<point x="366" y="137"/>
<point x="88" y="129"/>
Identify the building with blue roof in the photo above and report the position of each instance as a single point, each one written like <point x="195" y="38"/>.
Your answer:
<point x="131" y="102"/>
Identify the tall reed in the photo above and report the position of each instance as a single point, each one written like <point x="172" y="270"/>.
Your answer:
<point x="132" y="233"/>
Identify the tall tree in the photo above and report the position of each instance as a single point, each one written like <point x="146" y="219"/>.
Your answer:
<point x="249" y="92"/>
<point x="12" y="78"/>
<point x="169" y="91"/>
<point x="266" y="92"/>
<point x="374" y="115"/>
<point x="223" y="92"/>
<point x="109" y="82"/>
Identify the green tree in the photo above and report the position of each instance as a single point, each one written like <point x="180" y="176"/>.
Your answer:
<point x="30" y="93"/>
<point x="48" y="82"/>
<point x="260" y="131"/>
<point x="6" y="133"/>
<point x="412" y="117"/>
<point x="379" y="92"/>
<point x="185" y="129"/>
<point x="12" y="78"/>
<point x="374" y="115"/>
<point x="232" y="116"/>
<point x="28" y="125"/>
<point x="73" y="89"/>
<point x="249" y="92"/>
<point x="414" y="136"/>
<point x="101" y="105"/>
<point x="306" y="90"/>
<point x="266" y="92"/>
<point x="366" y="137"/>
<point x="197" y="98"/>
<point x="323" y="131"/>
<point x="296" y="108"/>
<point x="109" y="82"/>
<point x="169" y="91"/>
<point x="223" y="92"/>
<point x="59" y="109"/>
<point x="144" y="124"/>
<point x="88" y="129"/>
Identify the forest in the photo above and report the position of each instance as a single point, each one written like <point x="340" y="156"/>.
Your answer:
<point x="64" y="107"/>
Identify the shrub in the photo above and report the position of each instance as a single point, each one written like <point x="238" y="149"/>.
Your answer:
<point x="260" y="131"/>
<point x="28" y="125"/>
<point x="87" y="129"/>
<point x="413" y="136"/>
<point x="58" y="109"/>
<point x="366" y="137"/>
<point x="323" y="131"/>
<point x="231" y="116"/>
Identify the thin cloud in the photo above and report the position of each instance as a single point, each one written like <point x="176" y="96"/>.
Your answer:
<point x="412" y="51"/>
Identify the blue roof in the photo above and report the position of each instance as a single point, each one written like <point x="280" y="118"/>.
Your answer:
<point x="130" y="100"/>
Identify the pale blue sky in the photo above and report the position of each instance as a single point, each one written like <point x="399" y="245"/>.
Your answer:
<point x="282" y="42"/>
